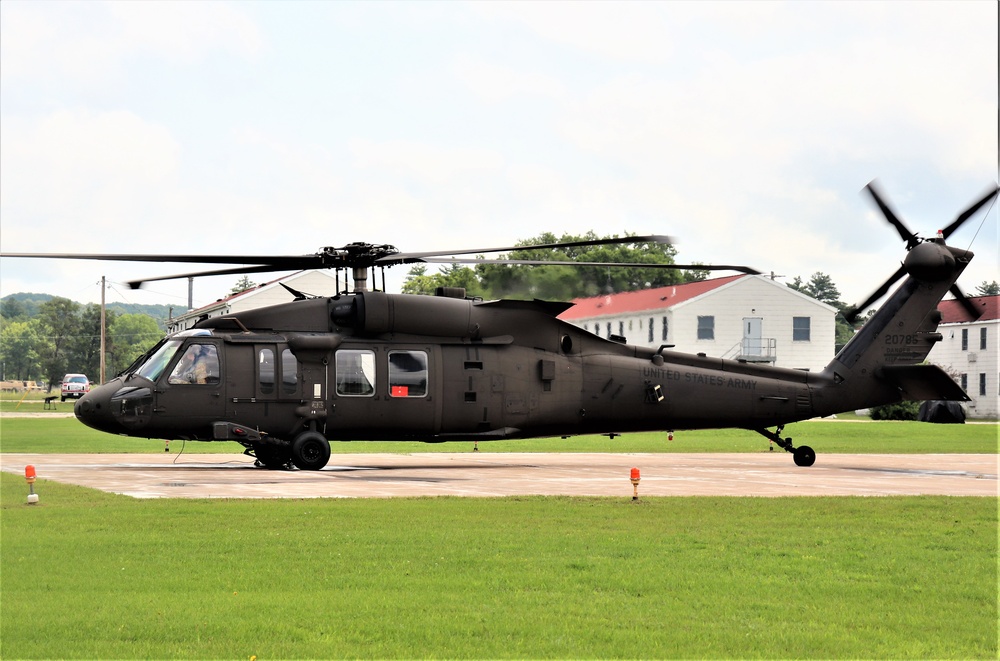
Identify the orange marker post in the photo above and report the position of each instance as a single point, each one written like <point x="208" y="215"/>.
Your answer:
<point x="634" y="478"/>
<point x="29" y="476"/>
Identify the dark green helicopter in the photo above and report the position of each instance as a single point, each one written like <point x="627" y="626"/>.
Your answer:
<point x="283" y="381"/>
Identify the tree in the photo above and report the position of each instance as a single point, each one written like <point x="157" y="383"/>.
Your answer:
<point x="562" y="282"/>
<point x="85" y="347"/>
<point x="988" y="289"/>
<point x="820" y="287"/>
<point x="59" y="321"/>
<point x="452" y="275"/>
<point x="12" y="309"/>
<point x="242" y="285"/>
<point x="19" y="344"/>
<point x="131" y="335"/>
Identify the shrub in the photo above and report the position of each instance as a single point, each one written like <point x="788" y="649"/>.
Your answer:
<point x="897" y="411"/>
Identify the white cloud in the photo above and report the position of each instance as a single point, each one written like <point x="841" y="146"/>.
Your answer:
<point x="83" y="43"/>
<point x="81" y="169"/>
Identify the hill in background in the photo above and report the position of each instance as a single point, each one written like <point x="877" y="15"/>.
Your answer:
<point x="31" y="302"/>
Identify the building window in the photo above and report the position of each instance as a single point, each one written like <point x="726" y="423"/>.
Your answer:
<point x="665" y="329"/>
<point x="706" y="328"/>
<point x="621" y="328"/>
<point x="964" y="382"/>
<point x="609" y="330"/>
<point x="982" y="384"/>
<point x="801" y="329"/>
<point x="650" y="329"/>
<point x="597" y="330"/>
<point x="982" y="338"/>
<point x="355" y="372"/>
<point x="407" y="373"/>
<point x="965" y="339"/>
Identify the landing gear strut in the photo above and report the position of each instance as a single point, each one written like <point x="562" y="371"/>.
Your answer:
<point x="802" y="455"/>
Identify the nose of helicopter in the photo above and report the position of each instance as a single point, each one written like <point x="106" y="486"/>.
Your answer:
<point x="94" y="409"/>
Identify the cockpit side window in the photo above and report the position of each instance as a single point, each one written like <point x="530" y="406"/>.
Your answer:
<point x="289" y="373"/>
<point x="199" y="364"/>
<point x="265" y="371"/>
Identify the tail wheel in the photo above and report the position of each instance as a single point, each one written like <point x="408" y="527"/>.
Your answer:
<point x="310" y="451"/>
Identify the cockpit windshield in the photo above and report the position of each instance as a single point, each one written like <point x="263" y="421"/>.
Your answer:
<point x="155" y="364"/>
<point x="153" y="367"/>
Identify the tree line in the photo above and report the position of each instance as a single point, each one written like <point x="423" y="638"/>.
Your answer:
<point x="44" y="341"/>
<point x="558" y="283"/>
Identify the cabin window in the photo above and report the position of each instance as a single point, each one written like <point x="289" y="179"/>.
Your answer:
<point x="706" y="328"/>
<point x="199" y="364"/>
<point x="965" y="339"/>
<point x="265" y="371"/>
<point x="355" y="372"/>
<point x="982" y="339"/>
<point x="801" y="329"/>
<point x="289" y="372"/>
<point x="408" y="373"/>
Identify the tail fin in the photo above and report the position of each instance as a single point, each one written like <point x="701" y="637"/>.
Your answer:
<point x="881" y="363"/>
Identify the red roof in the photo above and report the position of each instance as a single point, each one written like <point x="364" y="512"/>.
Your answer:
<point x="639" y="301"/>
<point x="952" y="311"/>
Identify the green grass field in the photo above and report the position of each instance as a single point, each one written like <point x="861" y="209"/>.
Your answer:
<point x="66" y="435"/>
<point x="85" y="574"/>
<point x="92" y="575"/>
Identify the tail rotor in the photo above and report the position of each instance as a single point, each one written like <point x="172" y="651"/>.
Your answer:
<point x="913" y="240"/>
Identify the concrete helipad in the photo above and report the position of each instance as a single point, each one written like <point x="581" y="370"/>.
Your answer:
<point x="504" y="474"/>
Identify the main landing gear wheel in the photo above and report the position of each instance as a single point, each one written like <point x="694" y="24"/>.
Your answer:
<point x="272" y="456"/>
<point x="310" y="451"/>
<point x="804" y="456"/>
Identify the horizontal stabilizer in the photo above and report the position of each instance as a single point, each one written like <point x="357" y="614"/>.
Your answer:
<point x="923" y="382"/>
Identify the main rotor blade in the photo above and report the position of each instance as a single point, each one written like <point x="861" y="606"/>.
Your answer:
<point x="420" y="256"/>
<point x="890" y="215"/>
<point x="968" y="213"/>
<point x="852" y="313"/>
<point x="136" y="284"/>
<point x="279" y="262"/>
<point x="542" y="262"/>
<point x="974" y="311"/>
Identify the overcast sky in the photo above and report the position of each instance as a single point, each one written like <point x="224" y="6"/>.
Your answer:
<point x="746" y="130"/>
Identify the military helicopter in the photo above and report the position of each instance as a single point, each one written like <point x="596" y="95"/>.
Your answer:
<point x="283" y="381"/>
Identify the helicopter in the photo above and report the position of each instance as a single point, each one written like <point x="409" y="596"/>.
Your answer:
<point x="284" y="381"/>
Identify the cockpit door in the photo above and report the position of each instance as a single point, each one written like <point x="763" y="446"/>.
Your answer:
<point x="192" y="388"/>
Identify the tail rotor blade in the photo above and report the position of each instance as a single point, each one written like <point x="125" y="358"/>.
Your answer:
<point x="968" y="213"/>
<point x="974" y="310"/>
<point x="851" y="314"/>
<point x="890" y="215"/>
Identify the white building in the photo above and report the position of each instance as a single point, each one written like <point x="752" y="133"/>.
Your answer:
<point x="742" y="317"/>
<point x="969" y="352"/>
<point x="312" y="283"/>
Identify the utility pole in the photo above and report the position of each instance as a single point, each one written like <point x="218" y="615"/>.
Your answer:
<point x="102" y="329"/>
